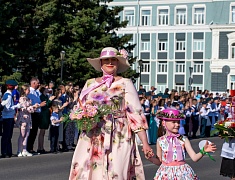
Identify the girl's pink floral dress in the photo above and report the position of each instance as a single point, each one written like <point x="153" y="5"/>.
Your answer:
<point x="24" y="113"/>
<point x="173" y="172"/>
<point x="111" y="154"/>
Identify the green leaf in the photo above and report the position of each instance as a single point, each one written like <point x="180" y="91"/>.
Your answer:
<point x="214" y="131"/>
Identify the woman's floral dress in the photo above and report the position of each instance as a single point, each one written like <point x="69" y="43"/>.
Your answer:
<point x="24" y="113"/>
<point x="178" y="172"/>
<point x="92" y="160"/>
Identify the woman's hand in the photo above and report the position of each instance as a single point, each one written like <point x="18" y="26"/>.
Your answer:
<point x="209" y="147"/>
<point x="52" y="98"/>
<point x="148" y="151"/>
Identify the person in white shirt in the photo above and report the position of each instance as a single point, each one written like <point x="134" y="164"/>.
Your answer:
<point x="204" y="118"/>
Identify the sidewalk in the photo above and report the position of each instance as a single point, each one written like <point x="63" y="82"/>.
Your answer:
<point x="15" y="136"/>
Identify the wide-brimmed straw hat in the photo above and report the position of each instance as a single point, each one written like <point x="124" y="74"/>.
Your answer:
<point x="110" y="52"/>
<point x="170" y="114"/>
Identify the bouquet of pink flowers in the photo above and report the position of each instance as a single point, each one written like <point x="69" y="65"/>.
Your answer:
<point x="86" y="117"/>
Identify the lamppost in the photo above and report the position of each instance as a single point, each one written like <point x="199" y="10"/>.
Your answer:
<point x="62" y="55"/>
<point x="140" y="62"/>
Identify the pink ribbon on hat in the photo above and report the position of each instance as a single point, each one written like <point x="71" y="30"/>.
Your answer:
<point x="108" y="53"/>
<point x="122" y="53"/>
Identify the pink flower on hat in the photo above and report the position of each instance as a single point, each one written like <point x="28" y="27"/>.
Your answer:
<point x="123" y="53"/>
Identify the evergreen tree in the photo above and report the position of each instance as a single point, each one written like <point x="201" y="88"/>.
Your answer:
<point x="35" y="34"/>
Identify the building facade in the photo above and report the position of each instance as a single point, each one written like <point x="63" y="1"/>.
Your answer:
<point x="184" y="44"/>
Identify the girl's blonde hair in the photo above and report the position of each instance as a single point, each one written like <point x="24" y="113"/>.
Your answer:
<point x="23" y="89"/>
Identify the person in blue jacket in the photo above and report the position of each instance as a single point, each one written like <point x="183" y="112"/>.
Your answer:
<point x="8" y="114"/>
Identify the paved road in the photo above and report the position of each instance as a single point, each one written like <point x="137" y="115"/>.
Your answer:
<point x="56" y="166"/>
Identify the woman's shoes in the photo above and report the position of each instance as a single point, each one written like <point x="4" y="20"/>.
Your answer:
<point x="19" y="154"/>
<point x="26" y="153"/>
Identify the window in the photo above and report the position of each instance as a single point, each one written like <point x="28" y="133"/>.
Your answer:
<point x="162" y="45"/>
<point x="181" y="16"/>
<point x="145" y="18"/>
<point x="199" y="14"/>
<point x="198" y="45"/>
<point x="180" y="45"/>
<point x="162" y="67"/>
<point x="180" y="67"/>
<point x="161" y="88"/>
<point x="196" y="87"/>
<point x="233" y="51"/>
<point x="233" y="14"/>
<point x="145" y="45"/>
<point x="179" y="88"/>
<point x="198" y="67"/>
<point x="163" y="17"/>
<point x="146" y="87"/>
<point x="146" y="67"/>
<point x="130" y="17"/>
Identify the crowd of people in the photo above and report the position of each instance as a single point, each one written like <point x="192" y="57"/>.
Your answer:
<point x="34" y="107"/>
<point x="201" y="109"/>
<point x="109" y="150"/>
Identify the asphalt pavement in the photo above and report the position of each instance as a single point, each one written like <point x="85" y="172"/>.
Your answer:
<point x="57" y="166"/>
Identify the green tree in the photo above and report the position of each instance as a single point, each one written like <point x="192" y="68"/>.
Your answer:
<point x="43" y="28"/>
<point x="21" y="46"/>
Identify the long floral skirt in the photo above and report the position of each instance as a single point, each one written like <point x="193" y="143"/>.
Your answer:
<point x="92" y="162"/>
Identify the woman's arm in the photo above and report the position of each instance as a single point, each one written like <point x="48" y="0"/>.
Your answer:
<point x="157" y="160"/>
<point x="146" y="148"/>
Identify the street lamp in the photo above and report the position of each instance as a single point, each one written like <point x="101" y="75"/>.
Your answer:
<point x="140" y="62"/>
<point x="62" y="55"/>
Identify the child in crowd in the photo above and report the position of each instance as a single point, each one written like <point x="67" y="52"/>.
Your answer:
<point x="204" y="128"/>
<point x="195" y="117"/>
<point x="171" y="149"/>
<point x="24" y="121"/>
<point x="188" y="114"/>
<point x="54" y="129"/>
<point x="227" y="108"/>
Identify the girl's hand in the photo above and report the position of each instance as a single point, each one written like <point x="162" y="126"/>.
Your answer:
<point x="148" y="151"/>
<point x="209" y="147"/>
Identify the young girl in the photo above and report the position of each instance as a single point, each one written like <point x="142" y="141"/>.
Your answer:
<point x="171" y="149"/>
<point x="24" y="120"/>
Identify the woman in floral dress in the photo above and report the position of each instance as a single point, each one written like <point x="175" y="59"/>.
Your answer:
<point x="109" y="150"/>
